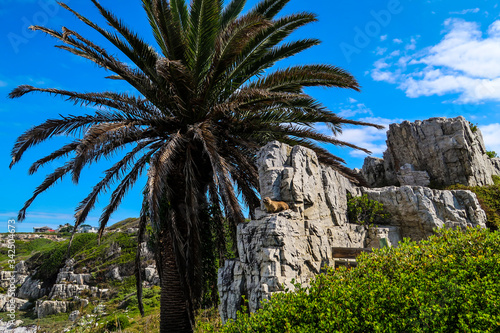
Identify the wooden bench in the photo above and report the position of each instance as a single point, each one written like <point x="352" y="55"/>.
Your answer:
<point x="346" y="256"/>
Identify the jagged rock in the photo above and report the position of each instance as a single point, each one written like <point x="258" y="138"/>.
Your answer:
<point x="70" y="277"/>
<point x="373" y="171"/>
<point x="45" y="308"/>
<point x="7" y="303"/>
<point x="151" y="275"/>
<point x="407" y="175"/>
<point x="231" y="283"/>
<point x="447" y="149"/>
<point x="64" y="291"/>
<point x="114" y="274"/>
<point x="21" y="268"/>
<point x="417" y="211"/>
<point x="15" y="277"/>
<point x="495" y="164"/>
<point x="73" y="316"/>
<point x="31" y="289"/>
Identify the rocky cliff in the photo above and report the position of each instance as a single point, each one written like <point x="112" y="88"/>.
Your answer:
<point x="440" y="151"/>
<point x="296" y="244"/>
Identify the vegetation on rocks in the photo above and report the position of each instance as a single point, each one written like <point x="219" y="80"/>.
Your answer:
<point x="448" y="283"/>
<point x="489" y="199"/>
<point x="365" y="211"/>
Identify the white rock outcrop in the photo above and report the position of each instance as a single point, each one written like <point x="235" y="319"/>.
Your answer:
<point x="417" y="211"/>
<point x="45" y="308"/>
<point x="448" y="149"/>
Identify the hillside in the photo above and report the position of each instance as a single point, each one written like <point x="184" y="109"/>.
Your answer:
<point x="95" y="288"/>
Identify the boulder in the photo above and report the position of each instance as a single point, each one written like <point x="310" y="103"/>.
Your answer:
<point x="151" y="275"/>
<point x="46" y="308"/>
<point x="114" y="274"/>
<point x="32" y="289"/>
<point x="73" y="316"/>
<point x="7" y="303"/>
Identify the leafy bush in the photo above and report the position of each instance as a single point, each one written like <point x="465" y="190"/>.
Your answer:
<point x="365" y="211"/>
<point x="117" y="323"/>
<point x="449" y="283"/>
<point x="491" y="154"/>
<point x="51" y="260"/>
<point x="473" y="127"/>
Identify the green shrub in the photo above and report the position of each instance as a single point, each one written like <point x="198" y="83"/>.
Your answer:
<point x="491" y="154"/>
<point x="118" y="323"/>
<point x="365" y="211"/>
<point x="52" y="259"/>
<point x="448" y="283"/>
<point x="473" y="127"/>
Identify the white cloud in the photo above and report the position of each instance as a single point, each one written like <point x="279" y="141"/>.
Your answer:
<point x="491" y="136"/>
<point x="463" y="62"/>
<point x="466" y="11"/>
<point x="368" y="137"/>
<point x="397" y="41"/>
<point x="412" y="45"/>
<point x="380" y="50"/>
<point x="383" y="37"/>
<point x="353" y="108"/>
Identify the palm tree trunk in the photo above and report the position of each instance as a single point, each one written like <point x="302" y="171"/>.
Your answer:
<point x="174" y="316"/>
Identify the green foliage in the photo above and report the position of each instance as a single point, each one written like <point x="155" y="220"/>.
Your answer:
<point x="473" y="127"/>
<point x="448" y="283"/>
<point x="52" y="259"/>
<point x="365" y="211"/>
<point x="118" y="323"/>
<point x="491" y="154"/>
<point x="489" y="199"/>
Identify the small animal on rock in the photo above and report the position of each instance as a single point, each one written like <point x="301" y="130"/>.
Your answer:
<point x="274" y="206"/>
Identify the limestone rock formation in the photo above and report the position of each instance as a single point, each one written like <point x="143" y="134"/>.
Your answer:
<point x="45" y="308"/>
<point x="417" y="211"/>
<point x="32" y="289"/>
<point x="297" y="243"/>
<point x="447" y="149"/>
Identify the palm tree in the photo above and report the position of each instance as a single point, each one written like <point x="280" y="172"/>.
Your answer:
<point x="203" y="105"/>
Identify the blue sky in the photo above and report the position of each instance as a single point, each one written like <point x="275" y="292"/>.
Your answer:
<point x="413" y="59"/>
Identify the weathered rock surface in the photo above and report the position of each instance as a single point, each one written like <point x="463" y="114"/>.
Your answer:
<point x="45" y="308"/>
<point x="417" y="211"/>
<point x="407" y="175"/>
<point x="447" y="149"/>
<point x="32" y="289"/>
<point x="151" y="275"/>
<point x="297" y="243"/>
<point x="7" y="303"/>
<point x="73" y="316"/>
<point x="374" y="171"/>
